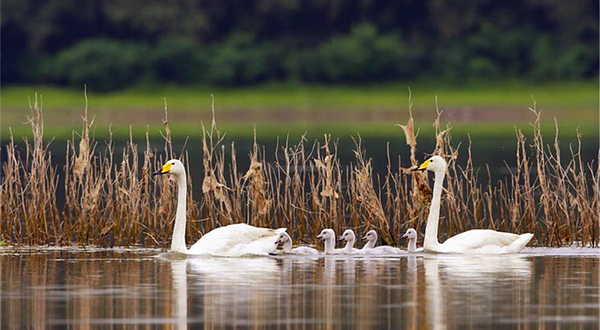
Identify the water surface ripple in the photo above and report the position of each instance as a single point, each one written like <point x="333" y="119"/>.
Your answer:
<point x="138" y="288"/>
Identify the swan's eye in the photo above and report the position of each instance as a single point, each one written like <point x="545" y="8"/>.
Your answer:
<point x="173" y="163"/>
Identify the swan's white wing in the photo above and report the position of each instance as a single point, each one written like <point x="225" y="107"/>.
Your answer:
<point x="382" y="250"/>
<point x="486" y="240"/>
<point x="305" y="250"/>
<point x="237" y="239"/>
<point x="389" y="250"/>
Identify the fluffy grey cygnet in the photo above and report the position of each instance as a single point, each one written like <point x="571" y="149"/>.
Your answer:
<point x="328" y="238"/>
<point x="286" y="240"/>
<point x="370" y="248"/>
<point x="411" y="235"/>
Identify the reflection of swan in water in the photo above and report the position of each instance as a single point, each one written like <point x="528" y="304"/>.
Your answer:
<point x="179" y="299"/>
<point x="484" y="241"/>
<point x="451" y="278"/>
<point x="243" y="270"/>
<point x="412" y="263"/>
<point x="234" y="290"/>
<point x="233" y="240"/>
<point x="224" y="282"/>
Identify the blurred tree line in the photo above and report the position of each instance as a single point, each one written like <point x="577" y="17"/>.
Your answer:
<point x="110" y="44"/>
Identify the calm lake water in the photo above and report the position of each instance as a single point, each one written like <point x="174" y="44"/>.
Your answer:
<point x="77" y="288"/>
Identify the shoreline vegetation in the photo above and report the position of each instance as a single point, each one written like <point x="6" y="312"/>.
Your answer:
<point x="493" y="109"/>
<point x="550" y="192"/>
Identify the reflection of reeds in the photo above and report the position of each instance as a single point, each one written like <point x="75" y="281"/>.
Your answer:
<point x="305" y="188"/>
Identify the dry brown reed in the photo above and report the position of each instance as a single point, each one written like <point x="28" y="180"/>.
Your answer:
<point x="305" y="188"/>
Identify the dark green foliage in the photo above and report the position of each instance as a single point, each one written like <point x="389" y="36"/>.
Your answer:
<point x="245" y="42"/>
<point x="579" y="61"/>
<point x="104" y="65"/>
<point x="365" y="55"/>
<point x="180" y="60"/>
<point x="241" y="60"/>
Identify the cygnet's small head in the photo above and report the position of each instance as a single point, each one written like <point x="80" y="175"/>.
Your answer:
<point x="410" y="234"/>
<point x="326" y="234"/>
<point x="348" y="235"/>
<point x="173" y="166"/>
<point x="433" y="164"/>
<point x="283" y="237"/>
<point x="370" y="236"/>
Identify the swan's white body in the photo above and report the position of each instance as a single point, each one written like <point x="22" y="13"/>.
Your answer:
<point x="233" y="240"/>
<point x="370" y="247"/>
<point x="287" y="246"/>
<point x="411" y="234"/>
<point x="328" y="238"/>
<point x="350" y="238"/>
<point x="484" y="241"/>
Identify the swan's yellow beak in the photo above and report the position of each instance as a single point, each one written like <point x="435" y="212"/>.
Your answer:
<point x="422" y="166"/>
<point x="165" y="169"/>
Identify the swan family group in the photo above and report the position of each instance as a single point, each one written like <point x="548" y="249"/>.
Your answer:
<point x="242" y="239"/>
<point x="328" y="238"/>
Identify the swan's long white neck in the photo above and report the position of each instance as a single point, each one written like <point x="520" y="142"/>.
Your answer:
<point x="412" y="245"/>
<point x="178" y="239"/>
<point x="287" y="246"/>
<point x="431" y="230"/>
<point x="370" y="244"/>
<point x="330" y="245"/>
<point x="349" y="245"/>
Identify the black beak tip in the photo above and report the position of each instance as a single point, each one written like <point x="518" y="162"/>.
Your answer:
<point x="159" y="172"/>
<point x="416" y="168"/>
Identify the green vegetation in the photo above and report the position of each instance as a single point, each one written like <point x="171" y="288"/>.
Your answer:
<point x="110" y="198"/>
<point x="113" y="44"/>
<point x="277" y="109"/>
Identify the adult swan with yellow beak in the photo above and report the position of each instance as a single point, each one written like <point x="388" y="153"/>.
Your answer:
<point x="476" y="241"/>
<point x="233" y="240"/>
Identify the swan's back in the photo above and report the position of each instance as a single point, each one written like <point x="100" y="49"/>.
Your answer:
<point x="237" y="240"/>
<point x="382" y="250"/>
<point x="486" y="241"/>
<point x="305" y="250"/>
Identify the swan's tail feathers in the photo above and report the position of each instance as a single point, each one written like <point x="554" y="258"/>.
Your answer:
<point x="519" y="243"/>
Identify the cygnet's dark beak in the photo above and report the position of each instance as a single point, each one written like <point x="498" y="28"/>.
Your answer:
<point x="365" y="238"/>
<point x="320" y="237"/>
<point x="405" y="236"/>
<point x="340" y="238"/>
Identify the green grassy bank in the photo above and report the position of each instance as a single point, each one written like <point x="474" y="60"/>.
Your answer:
<point x="278" y="109"/>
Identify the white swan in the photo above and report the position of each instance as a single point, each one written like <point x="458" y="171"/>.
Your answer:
<point x="370" y="248"/>
<point x="233" y="240"/>
<point x="287" y="246"/>
<point x="411" y="234"/>
<point x="472" y="241"/>
<point x="328" y="238"/>
<point x="350" y="238"/>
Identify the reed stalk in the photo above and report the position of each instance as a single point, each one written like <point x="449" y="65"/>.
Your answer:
<point x="305" y="188"/>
